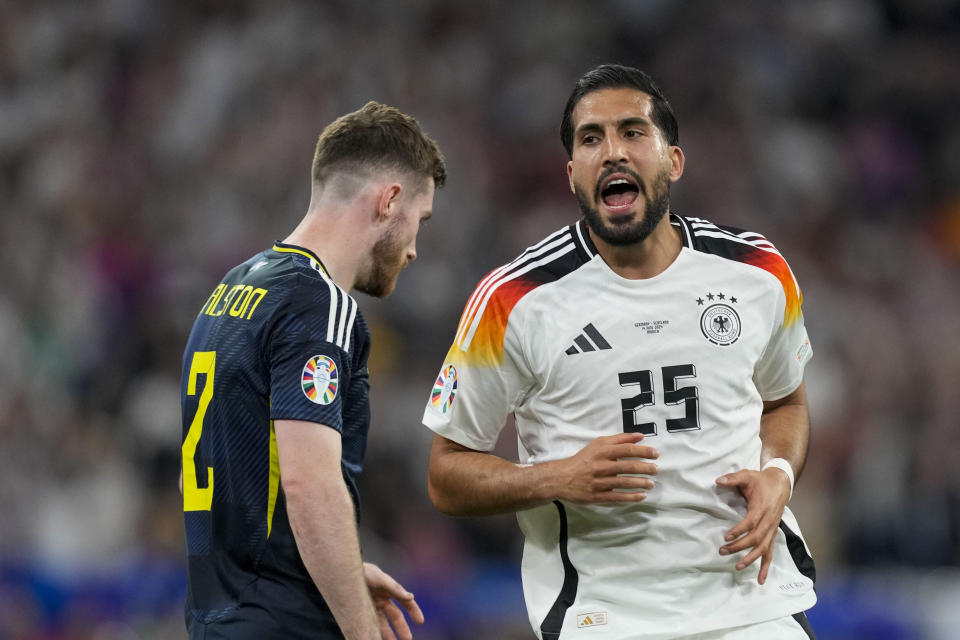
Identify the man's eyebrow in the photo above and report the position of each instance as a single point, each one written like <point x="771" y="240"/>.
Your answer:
<point x="633" y="121"/>
<point x="588" y="126"/>
<point x="626" y="122"/>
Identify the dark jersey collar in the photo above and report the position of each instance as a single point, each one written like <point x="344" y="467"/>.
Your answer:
<point x="281" y="247"/>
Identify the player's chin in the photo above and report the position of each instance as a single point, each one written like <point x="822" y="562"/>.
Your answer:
<point x="392" y="284"/>
<point x="380" y="283"/>
<point x="382" y="290"/>
<point x="374" y="288"/>
<point x="387" y="285"/>
<point x="624" y="228"/>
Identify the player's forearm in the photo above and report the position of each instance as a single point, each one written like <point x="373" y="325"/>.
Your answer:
<point x="467" y="483"/>
<point x="785" y="430"/>
<point x="322" y="518"/>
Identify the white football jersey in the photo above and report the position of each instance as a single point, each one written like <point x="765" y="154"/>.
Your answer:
<point x="687" y="358"/>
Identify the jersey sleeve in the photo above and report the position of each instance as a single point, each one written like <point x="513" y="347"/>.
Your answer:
<point x="780" y="369"/>
<point x="484" y="376"/>
<point x="307" y="371"/>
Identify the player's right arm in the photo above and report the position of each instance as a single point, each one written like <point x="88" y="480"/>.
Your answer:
<point x="487" y="375"/>
<point x="466" y="482"/>
<point x="322" y="517"/>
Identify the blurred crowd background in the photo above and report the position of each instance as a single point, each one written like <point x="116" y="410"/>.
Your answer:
<point x="147" y="146"/>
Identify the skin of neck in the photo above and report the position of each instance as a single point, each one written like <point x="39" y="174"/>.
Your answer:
<point x="645" y="259"/>
<point x="340" y="225"/>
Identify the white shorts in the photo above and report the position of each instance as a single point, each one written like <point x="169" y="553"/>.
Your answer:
<point x="788" y="628"/>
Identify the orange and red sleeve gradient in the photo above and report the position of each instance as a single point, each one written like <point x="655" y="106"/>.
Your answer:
<point x="775" y="264"/>
<point x="486" y="347"/>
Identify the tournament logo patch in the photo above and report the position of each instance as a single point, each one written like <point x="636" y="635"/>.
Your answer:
<point x="720" y="322"/>
<point x="444" y="389"/>
<point x="320" y="380"/>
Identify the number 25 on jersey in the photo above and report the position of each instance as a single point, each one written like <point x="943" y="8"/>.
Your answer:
<point x="673" y="394"/>
<point x="197" y="498"/>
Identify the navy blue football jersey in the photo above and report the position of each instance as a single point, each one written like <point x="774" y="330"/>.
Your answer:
<point x="276" y="340"/>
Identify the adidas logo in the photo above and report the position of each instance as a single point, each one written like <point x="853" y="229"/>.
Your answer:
<point x="593" y="619"/>
<point x="589" y="340"/>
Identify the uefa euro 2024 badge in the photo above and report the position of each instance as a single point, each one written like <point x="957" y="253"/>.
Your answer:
<point x="719" y="322"/>
<point x="444" y="389"/>
<point x="320" y="380"/>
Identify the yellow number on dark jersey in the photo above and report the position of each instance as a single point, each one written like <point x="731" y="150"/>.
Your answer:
<point x="196" y="498"/>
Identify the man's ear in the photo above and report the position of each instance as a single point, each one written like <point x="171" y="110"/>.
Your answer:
<point x="677" y="163"/>
<point x="389" y="196"/>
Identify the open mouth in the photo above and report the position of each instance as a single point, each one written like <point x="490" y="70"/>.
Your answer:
<point x="618" y="192"/>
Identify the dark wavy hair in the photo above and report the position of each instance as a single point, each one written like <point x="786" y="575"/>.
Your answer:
<point x="616" y="76"/>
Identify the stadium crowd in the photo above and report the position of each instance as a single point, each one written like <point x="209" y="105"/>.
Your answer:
<point x="146" y="146"/>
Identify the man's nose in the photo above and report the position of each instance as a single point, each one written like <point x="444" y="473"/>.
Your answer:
<point x="614" y="151"/>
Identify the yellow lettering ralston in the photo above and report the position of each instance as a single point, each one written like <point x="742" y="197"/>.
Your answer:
<point x="240" y="300"/>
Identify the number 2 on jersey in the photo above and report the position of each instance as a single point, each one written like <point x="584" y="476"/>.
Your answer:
<point x="198" y="498"/>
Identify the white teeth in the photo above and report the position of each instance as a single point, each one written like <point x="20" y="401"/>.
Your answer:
<point x="617" y="181"/>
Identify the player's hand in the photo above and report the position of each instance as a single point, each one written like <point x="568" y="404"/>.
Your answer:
<point x="594" y="474"/>
<point x="386" y="593"/>
<point x="767" y="493"/>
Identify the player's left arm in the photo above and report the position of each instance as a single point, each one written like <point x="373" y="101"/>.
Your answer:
<point x="784" y="433"/>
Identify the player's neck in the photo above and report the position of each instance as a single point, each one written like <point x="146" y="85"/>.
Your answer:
<point x="337" y="251"/>
<point x="645" y="259"/>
